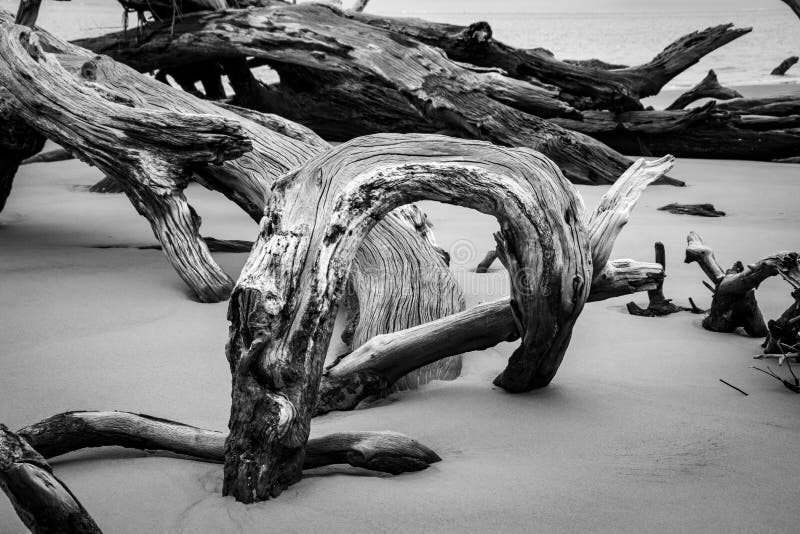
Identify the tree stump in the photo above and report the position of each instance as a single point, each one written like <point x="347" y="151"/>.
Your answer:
<point x="734" y="304"/>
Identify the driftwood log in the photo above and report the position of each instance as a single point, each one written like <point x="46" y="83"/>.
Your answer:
<point x="41" y="500"/>
<point x="734" y="303"/>
<point x="785" y="65"/>
<point x="709" y="87"/>
<point x="584" y="87"/>
<point x="283" y="306"/>
<point x="339" y="72"/>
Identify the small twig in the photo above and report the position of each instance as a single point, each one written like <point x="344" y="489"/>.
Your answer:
<point x="709" y="286"/>
<point x="734" y="387"/>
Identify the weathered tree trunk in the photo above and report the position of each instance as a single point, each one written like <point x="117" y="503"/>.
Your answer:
<point x="583" y="87"/>
<point x="734" y="304"/>
<point x="385" y="451"/>
<point x="359" y="70"/>
<point x="709" y="87"/>
<point x="284" y="303"/>
<point x="150" y="153"/>
<point x="785" y="65"/>
<point x="41" y="500"/>
<point x="385" y="269"/>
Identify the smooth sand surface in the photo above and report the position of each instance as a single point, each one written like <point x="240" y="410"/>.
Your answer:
<point x="635" y="434"/>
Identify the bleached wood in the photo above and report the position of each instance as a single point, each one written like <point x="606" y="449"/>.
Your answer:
<point x="283" y="306"/>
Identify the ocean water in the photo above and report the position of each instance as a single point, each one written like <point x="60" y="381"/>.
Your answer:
<point x="620" y="31"/>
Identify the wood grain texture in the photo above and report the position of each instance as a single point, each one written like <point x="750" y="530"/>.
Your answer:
<point x="43" y="503"/>
<point x="284" y="303"/>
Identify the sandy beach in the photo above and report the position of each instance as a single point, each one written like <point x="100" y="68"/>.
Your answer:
<point x="635" y="434"/>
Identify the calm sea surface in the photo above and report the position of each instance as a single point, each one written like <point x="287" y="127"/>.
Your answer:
<point x="630" y="37"/>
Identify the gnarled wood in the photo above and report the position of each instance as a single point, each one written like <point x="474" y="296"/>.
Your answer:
<point x="385" y="451"/>
<point x="709" y="87"/>
<point x="283" y="306"/>
<point x="734" y="304"/>
<point x="149" y="153"/>
<point x="398" y="82"/>
<point x="372" y="368"/>
<point x="41" y="500"/>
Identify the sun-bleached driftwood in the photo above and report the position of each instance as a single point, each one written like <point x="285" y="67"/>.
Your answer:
<point x="709" y="87"/>
<point x="785" y="65"/>
<point x="734" y="304"/>
<point x="330" y="64"/>
<point x="282" y="308"/>
<point x="379" y="300"/>
<point x="385" y="451"/>
<point x="373" y="367"/>
<point x="149" y="153"/>
<point x="41" y="500"/>
<point x="583" y="87"/>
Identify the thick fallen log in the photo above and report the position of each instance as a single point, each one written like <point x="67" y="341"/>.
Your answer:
<point x="41" y="500"/>
<point x="583" y="87"/>
<point x="785" y="65"/>
<point x="734" y="304"/>
<point x="373" y="367"/>
<point x="385" y="451"/>
<point x="332" y="63"/>
<point x="709" y="87"/>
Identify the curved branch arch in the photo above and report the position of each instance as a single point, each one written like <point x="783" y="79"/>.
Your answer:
<point x="284" y="304"/>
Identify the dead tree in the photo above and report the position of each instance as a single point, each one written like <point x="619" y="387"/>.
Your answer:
<point x="785" y="65"/>
<point x="343" y="81"/>
<point x="734" y="304"/>
<point x="583" y="87"/>
<point x="41" y="500"/>
<point x="282" y="308"/>
<point x="709" y="87"/>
